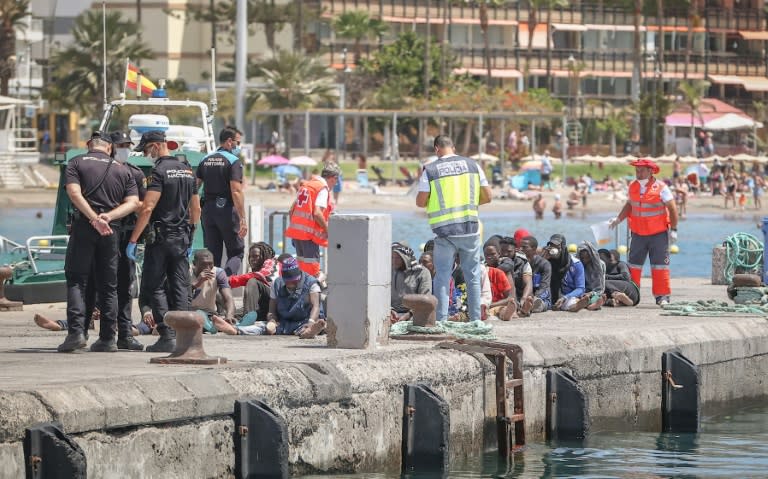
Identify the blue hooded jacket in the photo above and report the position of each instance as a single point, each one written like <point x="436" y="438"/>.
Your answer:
<point x="573" y="281"/>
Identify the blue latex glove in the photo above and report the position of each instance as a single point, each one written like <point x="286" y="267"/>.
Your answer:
<point x="189" y="253"/>
<point x="130" y="251"/>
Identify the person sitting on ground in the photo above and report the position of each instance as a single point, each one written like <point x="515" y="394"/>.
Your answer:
<point x="518" y="269"/>
<point x="540" y="299"/>
<point x="294" y="306"/>
<point x="261" y="259"/>
<point x="557" y="208"/>
<point x="539" y="205"/>
<point x="503" y="304"/>
<point x="567" y="273"/>
<point x="620" y="290"/>
<point x="594" y="278"/>
<point x="408" y="277"/>
<point x="209" y="281"/>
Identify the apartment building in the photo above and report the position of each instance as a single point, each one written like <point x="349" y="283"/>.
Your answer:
<point x="590" y="52"/>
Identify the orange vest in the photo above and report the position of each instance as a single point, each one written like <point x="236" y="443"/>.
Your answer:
<point x="302" y="222"/>
<point x="649" y="215"/>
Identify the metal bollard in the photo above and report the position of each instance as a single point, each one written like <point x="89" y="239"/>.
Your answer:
<point x="189" y="340"/>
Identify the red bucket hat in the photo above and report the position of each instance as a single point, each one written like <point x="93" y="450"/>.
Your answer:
<point x="646" y="163"/>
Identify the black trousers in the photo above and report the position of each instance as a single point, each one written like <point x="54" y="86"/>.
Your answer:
<point x="87" y="253"/>
<point x="166" y="260"/>
<point x="126" y="275"/>
<point x="220" y="228"/>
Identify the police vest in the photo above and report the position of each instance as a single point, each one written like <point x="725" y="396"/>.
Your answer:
<point x="649" y="215"/>
<point x="302" y="222"/>
<point x="294" y="305"/>
<point x="232" y="159"/>
<point x="454" y="184"/>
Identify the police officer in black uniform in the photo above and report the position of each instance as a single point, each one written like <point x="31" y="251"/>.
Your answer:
<point x="102" y="193"/>
<point x="224" y="221"/>
<point x="170" y="210"/>
<point x="126" y="269"/>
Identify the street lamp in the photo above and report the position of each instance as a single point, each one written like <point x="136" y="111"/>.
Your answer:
<point x="571" y="70"/>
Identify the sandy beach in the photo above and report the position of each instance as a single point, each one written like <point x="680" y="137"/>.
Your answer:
<point x="395" y="198"/>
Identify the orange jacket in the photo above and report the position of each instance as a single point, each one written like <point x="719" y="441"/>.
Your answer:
<point x="649" y="215"/>
<point x="302" y="222"/>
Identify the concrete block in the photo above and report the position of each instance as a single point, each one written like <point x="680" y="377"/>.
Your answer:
<point x="17" y="411"/>
<point x="356" y="314"/>
<point x="123" y="403"/>
<point x="75" y="407"/>
<point x="213" y="394"/>
<point x="359" y="249"/>
<point x="12" y="459"/>
<point x="168" y="399"/>
<point x="329" y="384"/>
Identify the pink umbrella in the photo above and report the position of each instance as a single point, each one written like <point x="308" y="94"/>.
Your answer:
<point x="273" y="160"/>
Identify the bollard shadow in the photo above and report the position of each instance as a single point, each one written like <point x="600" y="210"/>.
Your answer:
<point x="46" y="350"/>
<point x="677" y="453"/>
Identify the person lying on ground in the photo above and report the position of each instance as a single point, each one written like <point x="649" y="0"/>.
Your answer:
<point x="143" y="327"/>
<point x="408" y="277"/>
<point x="294" y="306"/>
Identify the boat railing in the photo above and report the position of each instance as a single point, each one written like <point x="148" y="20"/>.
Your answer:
<point x="53" y="247"/>
<point x="8" y="245"/>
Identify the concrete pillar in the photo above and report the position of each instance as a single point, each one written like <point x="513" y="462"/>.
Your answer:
<point x="359" y="276"/>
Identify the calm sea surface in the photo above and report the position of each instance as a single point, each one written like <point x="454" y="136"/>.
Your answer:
<point x="698" y="234"/>
<point x="732" y="444"/>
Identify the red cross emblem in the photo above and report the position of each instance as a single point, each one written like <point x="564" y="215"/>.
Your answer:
<point x="302" y="198"/>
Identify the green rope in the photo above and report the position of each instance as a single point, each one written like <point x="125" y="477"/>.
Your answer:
<point x="743" y="253"/>
<point x="470" y="330"/>
<point x="712" y="307"/>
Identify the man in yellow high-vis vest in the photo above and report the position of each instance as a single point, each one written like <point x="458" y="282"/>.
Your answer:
<point x="452" y="188"/>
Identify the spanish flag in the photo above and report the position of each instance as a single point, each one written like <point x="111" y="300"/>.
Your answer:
<point x="132" y="75"/>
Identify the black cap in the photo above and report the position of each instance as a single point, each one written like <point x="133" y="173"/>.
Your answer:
<point x="120" y="137"/>
<point x="155" y="136"/>
<point x="100" y="135"/>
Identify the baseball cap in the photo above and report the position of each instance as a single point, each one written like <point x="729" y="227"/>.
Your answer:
<point x="330" y="170"/>
<point x="100" y="135"/>
<point x="155" y="136"/>
<point x="647" y="163"/>
<point x="120" y="137"/>
<point x="289" y="270"/>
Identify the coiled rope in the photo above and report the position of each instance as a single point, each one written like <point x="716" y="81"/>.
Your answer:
<point x="470" y="330"/>
<point x="744" y="253"/>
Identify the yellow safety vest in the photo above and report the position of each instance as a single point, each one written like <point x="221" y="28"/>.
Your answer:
<point x="454" y="184"/>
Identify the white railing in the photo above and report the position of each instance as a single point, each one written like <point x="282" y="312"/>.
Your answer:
<point x="24" y="139"/>
<point x="8" y="245"/>
<point x="46" y="248"/>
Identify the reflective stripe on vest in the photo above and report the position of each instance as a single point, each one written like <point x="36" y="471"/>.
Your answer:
<point x="454" y="196"/>
<point x="649" y="215"/>
<point x="302" y="222"/>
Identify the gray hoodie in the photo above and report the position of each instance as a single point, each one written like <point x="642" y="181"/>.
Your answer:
<point x="415" y="279"/>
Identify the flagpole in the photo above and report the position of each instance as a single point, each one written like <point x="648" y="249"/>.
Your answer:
<point x="138" y="83"/>
<point x="125" y="81"/>
<point x="104" y="45"/>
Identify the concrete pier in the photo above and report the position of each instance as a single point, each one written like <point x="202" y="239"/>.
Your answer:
<point x="344" y="407"/>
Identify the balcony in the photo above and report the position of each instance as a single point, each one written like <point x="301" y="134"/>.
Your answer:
<point x="31" y="30"/>
<point x="27" y="77"/>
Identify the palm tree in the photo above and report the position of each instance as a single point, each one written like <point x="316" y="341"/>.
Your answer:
<point x="357" y="25"/>
<point x="295" y="81"/>
<point x="11" y="14"/>
<point x="616" y="125"/>
<point x="694" y="20"/>
<point x="693" y="95"/>
<point x="78" y="68"/>
<point x="483" y="5"/>
<point x="550" y="4"/>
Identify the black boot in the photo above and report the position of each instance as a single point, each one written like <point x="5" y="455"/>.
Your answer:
<point x="130" y="344"/>
<point x="103" y="345"/>
<point x="167" y="341"/>
<point x="73" y="342"/>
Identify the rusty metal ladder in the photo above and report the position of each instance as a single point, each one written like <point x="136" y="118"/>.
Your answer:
<point x="510" y="427"/>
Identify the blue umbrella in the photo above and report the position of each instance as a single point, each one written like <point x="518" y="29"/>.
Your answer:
<point x="288" y="170"/>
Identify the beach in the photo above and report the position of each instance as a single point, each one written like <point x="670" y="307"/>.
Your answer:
<point x="396" y="198"/>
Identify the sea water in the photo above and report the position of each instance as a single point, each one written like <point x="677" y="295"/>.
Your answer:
<point x="698" y="233"/>
<point x="733" y="443"/>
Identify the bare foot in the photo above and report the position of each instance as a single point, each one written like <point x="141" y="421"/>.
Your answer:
<point x="597" y="304"/>
<point x="620" y="298"/>
<point x="271" y="327"/>
<point x="96" y="315"/>
<point x="135" y="331"/>
<point x="312" y="329"/>
<point x="46" y="323"/>
<point x="224" y="326"/>
<point x="580" y="304"/>
<point x="527" y="306"/>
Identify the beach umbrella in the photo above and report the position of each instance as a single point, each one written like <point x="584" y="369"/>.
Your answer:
<point x="485" y="157"/>
<point x="273" y="160"/>
<point x="288" y="170"/>
<point x="302" y="161"/>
